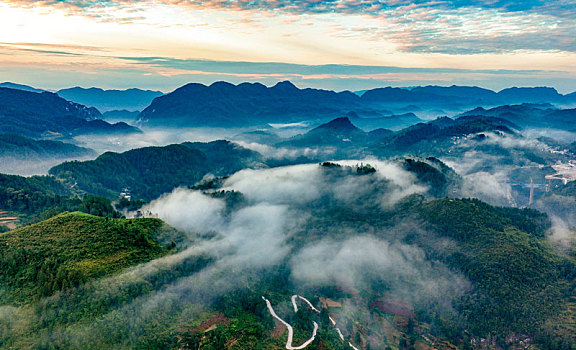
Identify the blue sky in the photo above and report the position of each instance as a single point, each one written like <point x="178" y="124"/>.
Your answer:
<point x="335" y="44"/>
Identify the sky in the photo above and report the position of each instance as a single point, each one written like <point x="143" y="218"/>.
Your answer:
<point x="332" y="44"/>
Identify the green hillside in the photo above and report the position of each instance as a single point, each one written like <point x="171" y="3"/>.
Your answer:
<point x="21" y="147"/>
<point x="487" y="273"/>
<point x="148" y="172"/>
<point x="152" y="171"/>
<point x="518" y="278"/>
<point x="71" y="248"/>
<point x="30" y="199"/>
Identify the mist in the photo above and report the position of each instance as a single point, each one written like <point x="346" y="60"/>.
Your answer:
<point x="360" y="261"/>
<point x="228" y="247"/>
<point x="152" y="137"/>
<point x="562" y="233"/>
<point x="286" y="153"/>
<point x="34" y="166"/>
<point x="283" y="223"/>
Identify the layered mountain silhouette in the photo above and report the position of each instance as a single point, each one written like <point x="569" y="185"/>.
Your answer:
<point x="46" y="114"/>
<point x="393" y="122"/>
<point x="10" y="85"/>
<point x="226" y="105"/>
<point x="339" y="132"/>
<point x="457" y="96"/>
<point x="108" y="100"/>
<point x="531" y="115"/>
<point x="438" y="136"/>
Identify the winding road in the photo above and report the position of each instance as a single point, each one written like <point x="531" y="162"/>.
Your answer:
<point x="289" y="345"/>
<point x="290" y="329"/>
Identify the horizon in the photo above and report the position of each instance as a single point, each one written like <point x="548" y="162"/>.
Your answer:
<point x="336" y="45"/>
<point x="269" y="85"/>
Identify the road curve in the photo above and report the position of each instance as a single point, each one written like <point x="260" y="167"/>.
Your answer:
<point x="290" y="329"/>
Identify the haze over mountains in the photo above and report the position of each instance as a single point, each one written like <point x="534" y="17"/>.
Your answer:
<point x="108" y="100"/>
<point x="428" y="218"/>
<point x="223" y="104"/>
<point x="226" y="105"/>
<point x="48" y="115"/>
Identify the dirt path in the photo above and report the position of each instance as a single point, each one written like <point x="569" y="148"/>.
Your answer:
<point x="211" y="323"/>
<point x="8" y="221"/>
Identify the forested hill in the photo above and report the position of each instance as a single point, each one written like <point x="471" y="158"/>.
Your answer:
<point x="72" y="248"/>
<point x="517" y="284"/>
<point x="26" y="200"/>
<point x="20" y="147"/>
<point x="151" y="171"/>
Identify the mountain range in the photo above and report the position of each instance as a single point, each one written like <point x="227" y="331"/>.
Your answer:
<point x="47" y="115"/>
<point x="223" y="104"/>
<point x="109" y="100"/>
<point x="226" y="105"/>
<point x="151" y="171"/>
<point x="386" y="250"/>
<point x="531" y="115"/>
<point x="10" y="85"/>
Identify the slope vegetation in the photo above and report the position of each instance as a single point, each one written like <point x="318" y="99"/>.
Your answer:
<point x="151" y="171"/>
<point x="71" y="248"/>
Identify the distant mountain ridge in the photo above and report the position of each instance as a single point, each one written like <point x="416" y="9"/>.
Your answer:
<point x="108" y="100"/>
<point x="48" y="115"/>
<point x="226" y="105"/>
<point x="339" y="132"/>
<point x="466" y="95"/>
<point x="10" y="85"/>
<point x="250" y="104"/>
<point x="530" y="115"/>
<point x="437" y="136"/>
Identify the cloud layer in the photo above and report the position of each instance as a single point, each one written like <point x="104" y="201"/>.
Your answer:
<point x="166" y="43"/>
<point x="460" y="27"/>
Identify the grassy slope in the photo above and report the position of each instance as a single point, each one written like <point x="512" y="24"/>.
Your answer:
<point x="70" y="248"/>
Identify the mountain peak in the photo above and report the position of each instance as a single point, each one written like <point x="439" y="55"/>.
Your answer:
<point x="286" y="86"/>
<point x="338" y="124"/>
<point x="222" y="85"/>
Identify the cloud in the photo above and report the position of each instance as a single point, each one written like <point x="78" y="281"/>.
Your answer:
<point x="278" y="153"/>
<point x="304" y="184"/>
<point x="359" y="261"/>
<point x="562" y="234"/>
<point x="295" y="184"/>
<point x="201" y="213"/>
<point x="453" y="27"/>
<point x="287" y="69"/>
